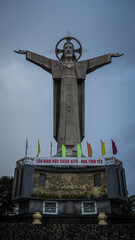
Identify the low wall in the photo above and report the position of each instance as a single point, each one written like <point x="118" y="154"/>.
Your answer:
<point x="66" y="231"/>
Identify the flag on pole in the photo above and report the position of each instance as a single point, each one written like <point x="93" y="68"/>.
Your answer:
<point x="51" y="150"/>
<point x="63" y="151"/>
<point x="103" y="147"/>
<point x="26" y="147"/>
<point x="38" y="149"/>
<point x="89" y="150"/>
<point x="79" y="151"/>
<point x="114" y="148"/>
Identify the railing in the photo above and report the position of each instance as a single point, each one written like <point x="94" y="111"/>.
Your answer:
<point x="113" y="161"/>
<point x="25" y="161"/>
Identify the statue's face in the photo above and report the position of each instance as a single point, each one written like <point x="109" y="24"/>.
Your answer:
<point x="68" y="50"/>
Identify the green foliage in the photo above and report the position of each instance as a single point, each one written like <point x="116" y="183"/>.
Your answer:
<point x="128" y="207"/>
<point x="7" y="206"/>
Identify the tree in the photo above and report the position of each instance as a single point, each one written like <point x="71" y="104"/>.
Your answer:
<point x="128" y="207"/>
<point x="7" y="206"/>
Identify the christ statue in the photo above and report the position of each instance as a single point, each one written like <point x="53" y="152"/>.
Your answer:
<point x="68" y="90"/>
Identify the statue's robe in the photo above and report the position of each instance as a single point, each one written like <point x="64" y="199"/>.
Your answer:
<point x="69" y="95"/>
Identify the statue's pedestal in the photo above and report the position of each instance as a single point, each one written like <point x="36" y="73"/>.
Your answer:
<point x="58" y="186"/>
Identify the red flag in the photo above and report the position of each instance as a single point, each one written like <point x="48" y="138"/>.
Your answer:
<point x="89" y="150"/>
<point x="51" y="150"/>
<point x="114" y="147"/>
<point x="26" y="147"/>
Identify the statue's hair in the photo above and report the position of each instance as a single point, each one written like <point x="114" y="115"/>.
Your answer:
<point x="74" y="57"/>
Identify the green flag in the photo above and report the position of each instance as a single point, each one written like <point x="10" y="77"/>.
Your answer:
<point x="79" y="151"/>
<point x="63" y="151"/>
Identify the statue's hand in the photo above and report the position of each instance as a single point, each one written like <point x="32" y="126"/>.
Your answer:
<point x="116" y="54"/>
<point x="20" y="51"/>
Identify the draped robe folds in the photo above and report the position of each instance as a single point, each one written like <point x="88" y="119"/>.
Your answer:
<point x="69" y="96"/>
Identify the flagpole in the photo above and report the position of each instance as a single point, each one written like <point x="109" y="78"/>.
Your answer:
<point x="26" y="147"/>
<point x="112" y="149"/>
<point x="101" y="145"/>
<point x="51" y="150"/>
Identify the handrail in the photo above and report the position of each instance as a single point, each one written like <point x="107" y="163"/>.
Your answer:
<point x="113" y="161"/>
<point x="25" y="161"/>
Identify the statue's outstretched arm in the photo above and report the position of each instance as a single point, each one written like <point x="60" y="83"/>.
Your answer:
<point x="20" y="51"/>
<point x="37" y="59"/>
<point x="116" y="54"/>
<point x="94" y="63"/>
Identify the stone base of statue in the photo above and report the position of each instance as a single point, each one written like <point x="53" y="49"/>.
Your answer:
<point x="69" y="186"/>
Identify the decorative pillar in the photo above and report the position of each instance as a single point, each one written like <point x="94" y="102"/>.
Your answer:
<point x="37" y="218"/>
<point x="102" y="219"/>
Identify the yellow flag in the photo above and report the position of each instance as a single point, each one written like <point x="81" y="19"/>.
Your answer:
<point x="79" y="151"/>
<point x="63" y="151"/>
<point x="103" y="147"/>
<point x="38" y="149"/>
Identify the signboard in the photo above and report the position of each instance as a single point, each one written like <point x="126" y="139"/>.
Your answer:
<point x="69" y="161"/>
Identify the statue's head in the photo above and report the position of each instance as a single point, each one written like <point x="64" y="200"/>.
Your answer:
<point x="68" y="49"/>
<point x="68" y="52"/>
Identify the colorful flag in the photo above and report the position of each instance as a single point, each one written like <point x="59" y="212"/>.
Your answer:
<point x="103" y="147"/>
<point x="79" y="151"/>
<point x="26" y="147"/>
<point x="38" y="149"/>
<point x="89" y="150"/>
<point x="51" y="150"/>
<point x="114" y="147"/>
<point x="63" y="151"/>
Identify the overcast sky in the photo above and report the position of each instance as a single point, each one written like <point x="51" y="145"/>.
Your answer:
<point x="26" y="91"/>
